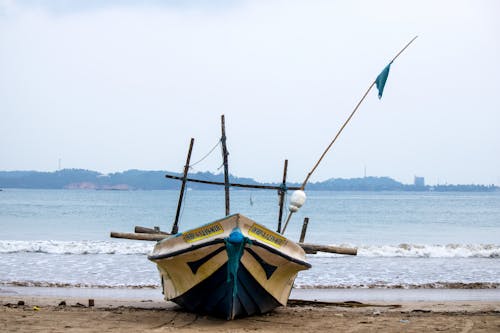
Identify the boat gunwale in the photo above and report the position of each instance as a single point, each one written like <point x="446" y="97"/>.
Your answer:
<point x="220" y="240"/>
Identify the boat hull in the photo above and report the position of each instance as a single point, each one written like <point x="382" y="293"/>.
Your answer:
<point x="230" y="268"/>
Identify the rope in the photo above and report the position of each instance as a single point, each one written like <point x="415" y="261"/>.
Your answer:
<point x="183" y="204"/>
<point x="208" y="154"/>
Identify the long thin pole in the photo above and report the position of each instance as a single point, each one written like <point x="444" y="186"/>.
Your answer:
<point x="281" y="193"/>
<point x="226" y="167"/>
<point x="303" y="186"/>
<point x="348" y="119"/>
<point x="175" y="227"/>
<point x="336" y="136"/>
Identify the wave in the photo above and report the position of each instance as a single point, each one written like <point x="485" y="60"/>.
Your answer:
<point x="48" y="284"/>
<point x="141" y="248"/>
<point x="428" y="251"/>
<point x="75" y="247"/>
<point x="433" y="285"/>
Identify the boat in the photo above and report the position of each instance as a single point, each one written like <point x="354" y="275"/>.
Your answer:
<point x="235" y="267"/>
<point x="230" y="268"/>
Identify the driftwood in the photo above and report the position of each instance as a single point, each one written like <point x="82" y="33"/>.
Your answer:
<point x="313" y="248"/>
<point x="137" y="236"/>
<point x="144" y="230"/>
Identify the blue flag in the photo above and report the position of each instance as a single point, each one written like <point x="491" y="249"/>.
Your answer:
<point x="381" y="78"/>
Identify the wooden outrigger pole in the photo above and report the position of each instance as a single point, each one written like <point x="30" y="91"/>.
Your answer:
<point x="210" y="182"/>
<point x="148" y="234"/>
<point x="303" y="186"/>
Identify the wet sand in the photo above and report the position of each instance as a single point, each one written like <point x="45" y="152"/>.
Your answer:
<point x="49" y="314"/>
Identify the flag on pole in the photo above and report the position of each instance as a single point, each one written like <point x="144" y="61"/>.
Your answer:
<point x="381" y="78"/>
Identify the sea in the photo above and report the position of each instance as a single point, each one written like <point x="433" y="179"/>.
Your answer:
<point x="431" y="241"/>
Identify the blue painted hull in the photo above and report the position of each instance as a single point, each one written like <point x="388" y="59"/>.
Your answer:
<point x="214" y="296"/>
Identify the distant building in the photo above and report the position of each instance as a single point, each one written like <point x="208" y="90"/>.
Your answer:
<point x="419" y="181"/>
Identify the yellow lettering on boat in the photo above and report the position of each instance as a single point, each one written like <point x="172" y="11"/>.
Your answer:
<point x="267" y="236"/>
<point x="203" y="232"/>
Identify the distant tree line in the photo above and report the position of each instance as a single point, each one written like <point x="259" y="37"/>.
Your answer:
<point x="155" y="180"/>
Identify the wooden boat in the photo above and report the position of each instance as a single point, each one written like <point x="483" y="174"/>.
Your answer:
<point x="230" y="268"/>
<point x="233" y="267"/>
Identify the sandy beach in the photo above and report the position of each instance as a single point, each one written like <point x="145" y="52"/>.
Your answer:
<point x="69" y="314"/>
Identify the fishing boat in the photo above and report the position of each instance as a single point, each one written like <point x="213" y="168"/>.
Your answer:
<point x="230" y="268"/>
<point x="236" y="267"/>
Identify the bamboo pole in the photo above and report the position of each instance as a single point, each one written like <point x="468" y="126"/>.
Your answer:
<point x="175" y="226"/>
<point x="349" y="118"/>
<point x="303" y="186"/>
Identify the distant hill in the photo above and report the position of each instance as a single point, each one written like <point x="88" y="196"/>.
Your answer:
<point x="155" y="180"/>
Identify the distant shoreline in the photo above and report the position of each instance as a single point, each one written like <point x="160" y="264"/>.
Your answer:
<point x="155" y="180"/>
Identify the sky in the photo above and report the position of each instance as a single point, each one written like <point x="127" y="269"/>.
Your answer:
<point x="117" y="85"/>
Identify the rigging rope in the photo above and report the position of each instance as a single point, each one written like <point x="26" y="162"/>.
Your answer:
<point x="204" y="157"/>
<point x="183" y="204"/>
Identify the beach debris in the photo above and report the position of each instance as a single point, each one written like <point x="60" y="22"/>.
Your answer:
<point x="348" y="304"/>
<point x="36" y="308"/>
<point x="91" y="302"/>
<point x="62" y="303"/>
<point x="20" y="303"/>
<point x="78" y="305"/>
<point x="404" y="321"/>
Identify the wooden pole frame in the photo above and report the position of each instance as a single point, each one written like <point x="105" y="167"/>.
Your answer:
<point x="281" y="193"/>
<point x="209" y="182"/>
<point x="175" y="226"/>
<point x="226" y="166"/>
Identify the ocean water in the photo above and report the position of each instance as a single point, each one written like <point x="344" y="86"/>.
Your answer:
<point x="410" y="240"/>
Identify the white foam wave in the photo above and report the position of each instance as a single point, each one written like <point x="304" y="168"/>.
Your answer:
<point x="429" y="251"/>
<point x="48" y="284"/>
<point x="144" y="248"/>
<point x="75" y="247"/>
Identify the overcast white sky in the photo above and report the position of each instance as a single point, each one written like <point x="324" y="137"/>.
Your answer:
<point x="126" y="84"/>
